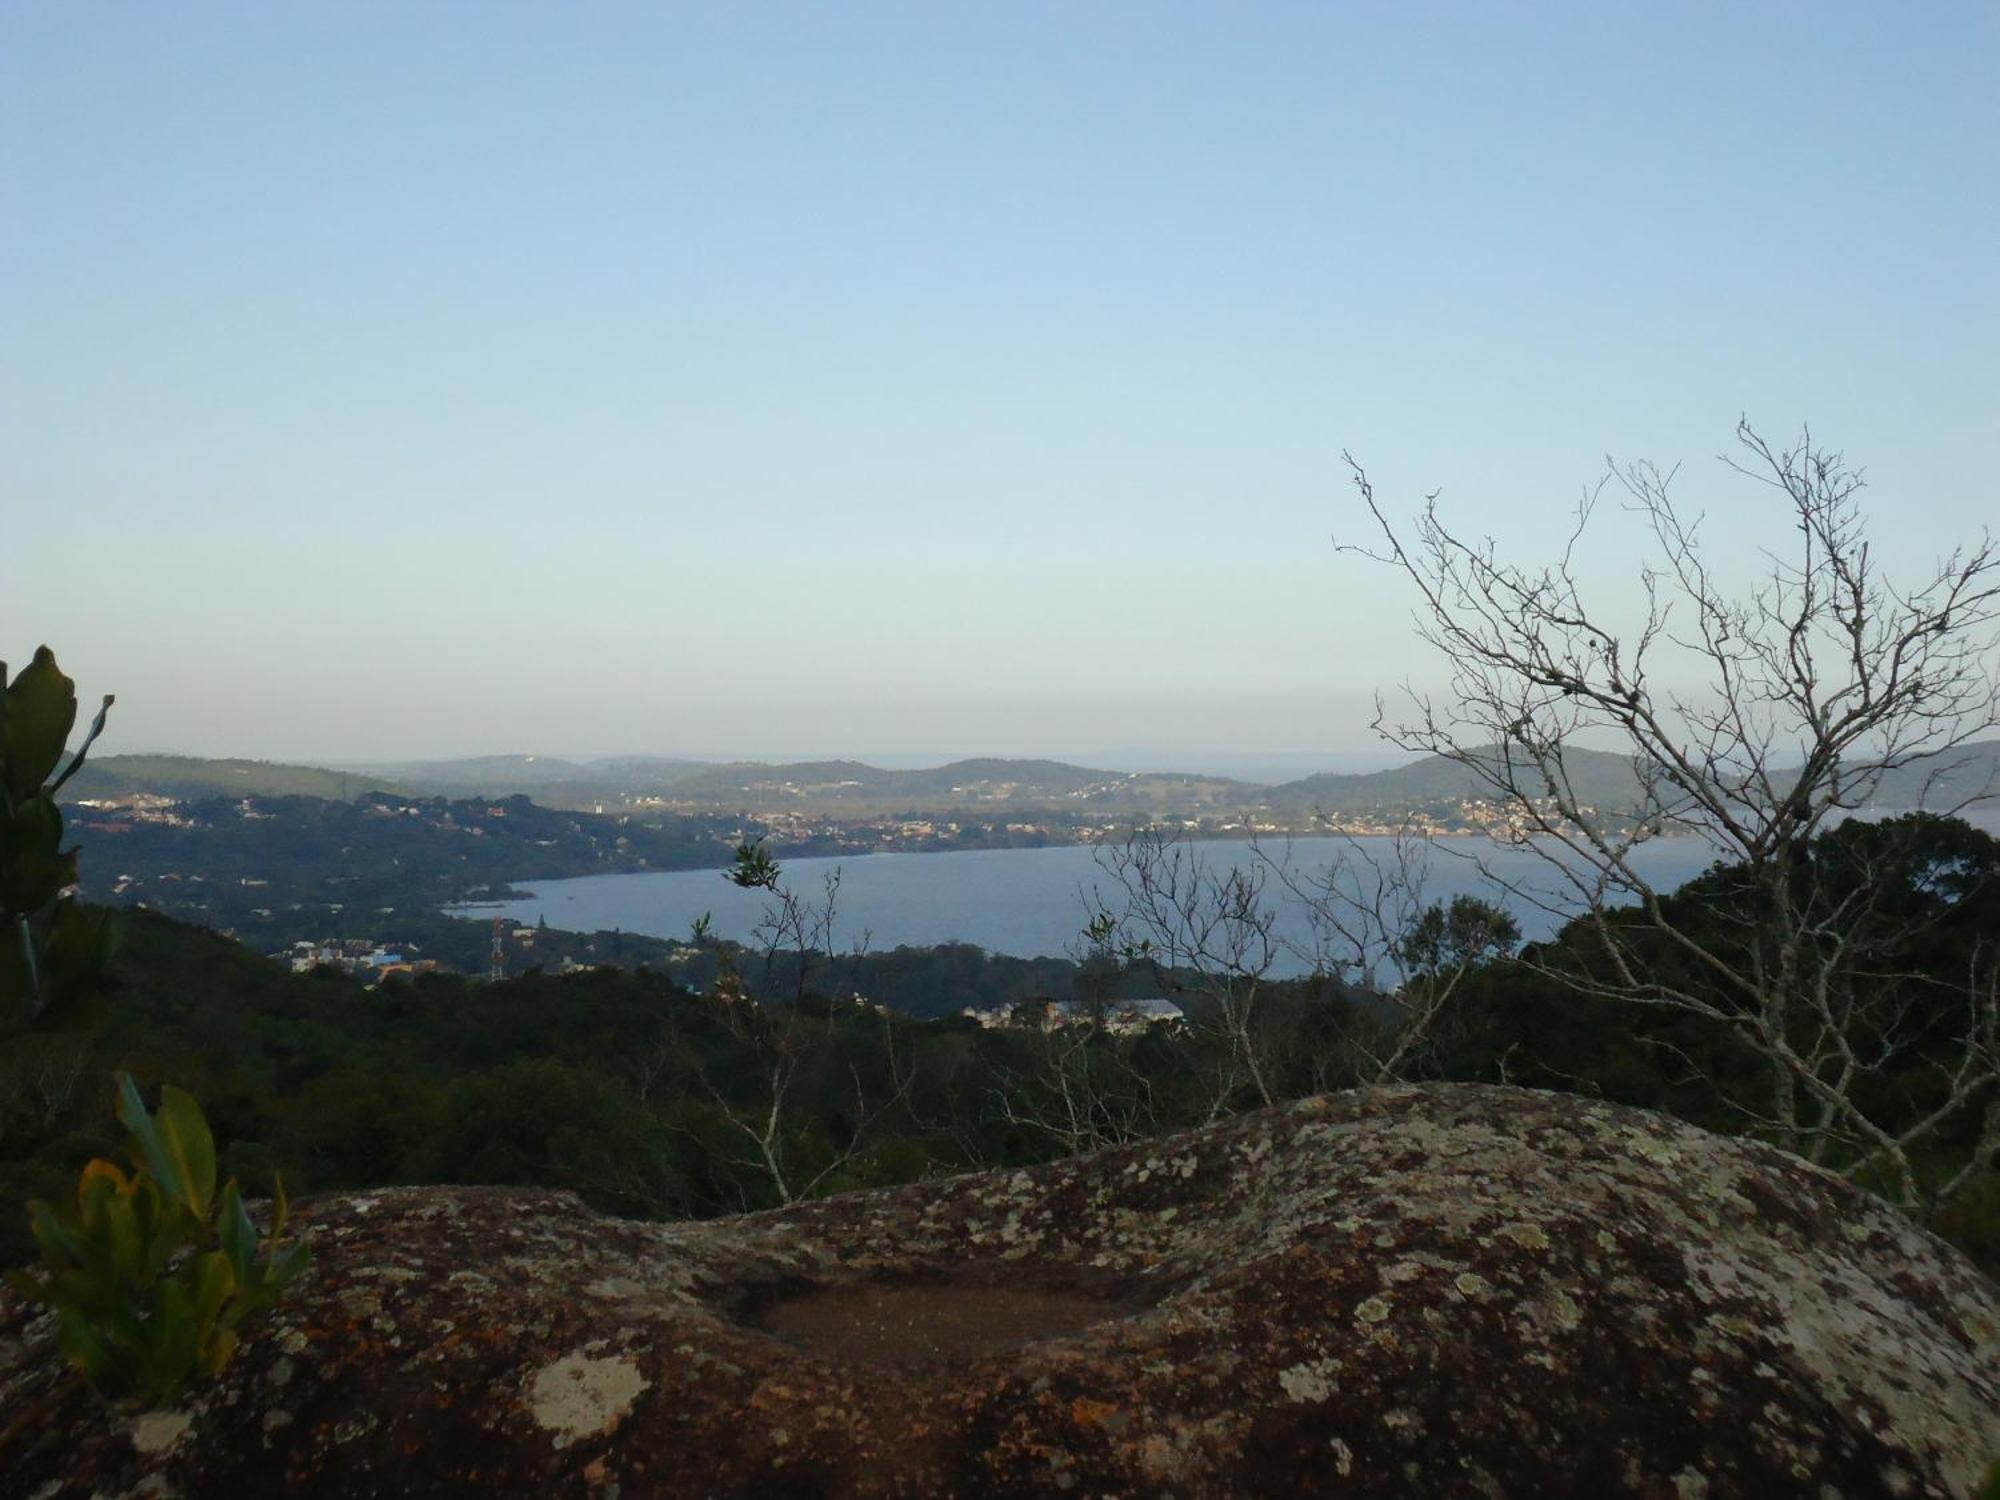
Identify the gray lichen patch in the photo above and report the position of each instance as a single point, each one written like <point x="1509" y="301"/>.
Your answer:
<point x="1374" y="1310"/>
<point x="1527" y="1236"/>
<point x="579" y="1396"/>
<point x="1310" y="1382"/>
<point x="156" y="1433"/>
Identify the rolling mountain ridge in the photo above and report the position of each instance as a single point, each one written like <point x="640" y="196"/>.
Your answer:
<point x="1433" y="785"/>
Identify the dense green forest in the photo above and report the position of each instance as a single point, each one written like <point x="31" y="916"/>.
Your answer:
<point x="304" y="847"/>
<point x="627" y="1085"/>
<point x="274" y="870"/>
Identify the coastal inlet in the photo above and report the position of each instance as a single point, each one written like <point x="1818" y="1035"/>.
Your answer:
<point x="1025" y="902"/>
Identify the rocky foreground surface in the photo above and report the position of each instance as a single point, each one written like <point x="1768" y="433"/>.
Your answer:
<point x="1428" y="1292"/>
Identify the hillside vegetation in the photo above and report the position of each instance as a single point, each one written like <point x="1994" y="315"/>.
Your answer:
<point x="186" y="777"/>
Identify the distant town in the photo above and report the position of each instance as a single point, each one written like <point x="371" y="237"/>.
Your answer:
<point x="354" y="871"/>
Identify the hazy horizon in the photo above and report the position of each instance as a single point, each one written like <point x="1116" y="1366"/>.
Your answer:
<point x="1255" y="766"/>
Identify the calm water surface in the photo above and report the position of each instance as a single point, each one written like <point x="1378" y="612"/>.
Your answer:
<point x="1027" y="902"/>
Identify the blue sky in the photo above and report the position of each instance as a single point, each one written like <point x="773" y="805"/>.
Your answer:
<point x="390" y="380"/>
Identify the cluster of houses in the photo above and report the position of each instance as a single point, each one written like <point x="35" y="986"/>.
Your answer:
<point x="115" y="815"/>
<point x="1119" y="1017"/>
<point x="362" y="957"/>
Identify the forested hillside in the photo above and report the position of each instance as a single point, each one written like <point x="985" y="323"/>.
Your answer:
<point x="278" y="869"/>
<point x="189" y="778"/>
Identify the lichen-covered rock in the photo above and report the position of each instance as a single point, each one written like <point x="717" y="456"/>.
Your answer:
<point x="1414" y="1292"/>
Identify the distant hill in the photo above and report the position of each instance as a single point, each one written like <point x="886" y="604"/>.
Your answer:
<point x="1022" y="784"/>
<point x="492" y="774"/>
<point x="1432" y="785"/>
<point x="549" y="779"/>
<point x="1439" y="786"/>
<point x="186" y="777"/>
<point x="1969" y="774"/>
<point x="842" y="786"/>
<point x="837" y="786"/>
<point x="1608" y="781"/>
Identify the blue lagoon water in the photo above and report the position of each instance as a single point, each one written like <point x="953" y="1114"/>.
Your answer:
<point x="1026" y="902"/>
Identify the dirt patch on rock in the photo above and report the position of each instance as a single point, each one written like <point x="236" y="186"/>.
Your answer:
<point x="913" y="1325"/>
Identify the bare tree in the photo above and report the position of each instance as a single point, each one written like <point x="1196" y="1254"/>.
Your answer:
<point x="39" y="1079"/>
<point x="1755" y="720"/>
<point x="1081" y="1091"/>
<point x="1243" y="941"/>
<point x="786" y="1040"/>
<point x="1371" y="919"/>
<point x="1210" y="934"/>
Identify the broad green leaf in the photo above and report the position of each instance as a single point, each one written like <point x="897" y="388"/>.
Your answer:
<point x="236" y="1233"/>
<point x="166" y="1224"/>
<point x="214" y="1280"/>
<point x="186" y="1135"/>
<point x="174" y="1325"/>
<point x="123" y="1328"/>
<point x="81" y="1345"/>
<point x="93" y="1194"/>
<point x="41" y="711"/>
<point x="97" y="1166"/>
<point x="151" y="1151"/>
<point x="128" y="1240"/>
<point x="59" y="1245"/>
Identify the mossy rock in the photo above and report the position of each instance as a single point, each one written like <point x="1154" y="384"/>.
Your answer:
<point x="1432" y="1291"/>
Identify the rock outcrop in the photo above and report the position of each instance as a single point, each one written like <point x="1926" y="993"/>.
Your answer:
<point x="1412" y="1292"/>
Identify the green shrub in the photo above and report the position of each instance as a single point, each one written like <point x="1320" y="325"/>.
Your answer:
<point x="152" y="1273"/>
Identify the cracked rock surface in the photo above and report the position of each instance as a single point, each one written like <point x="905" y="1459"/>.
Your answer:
<point x="1427" y="1291"/>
